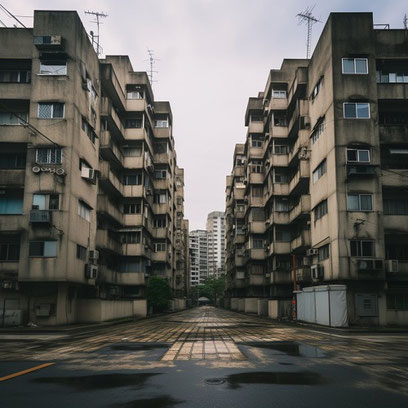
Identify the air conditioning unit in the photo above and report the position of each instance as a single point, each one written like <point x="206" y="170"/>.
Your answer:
<point x="369" y="264"/>
<point x="391" y="265"/>
<point x="317" y="272"/>
<point x="93" y="255"/>
<point x="89" y="174"/>
<point x="91" y="271"/>
<point x="40" y="217"/>
<point x="312" y="251"/>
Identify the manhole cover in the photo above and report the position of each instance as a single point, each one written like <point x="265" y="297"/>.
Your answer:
<point x="215" y="381"/>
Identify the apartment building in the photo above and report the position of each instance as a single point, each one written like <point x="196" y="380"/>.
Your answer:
<point x="87" y="178"/>
<point x="216" y="243"/>
<point x="317" y="198"/>
<point x="198" y="249"/>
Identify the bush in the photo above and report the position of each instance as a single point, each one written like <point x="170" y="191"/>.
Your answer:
<point x="158" y="293"/>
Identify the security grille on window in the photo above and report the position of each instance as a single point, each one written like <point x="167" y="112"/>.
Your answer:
<point x="320" y="171"/>
<point x="355" y="65"/>
<point x="320" y="210"/>
<point x="45" y="201"/>
<point x="359" y="202"/>
<point x="51" y="110"/>
<point x="84" y="211"/>
<point x="397" y="301"/>
<point x="323" y="252"/>
<point x="45" y="155"/>
<point x="43" y="249"/>
<point x="278" y="94"/>
<point x="318" y="130"/>
<point x="360" y="110"/>
<point x="53" y="67"/>
<point x="132" y="208"/>
<point x="358" y="155"/>
<point x="362" y="248"/>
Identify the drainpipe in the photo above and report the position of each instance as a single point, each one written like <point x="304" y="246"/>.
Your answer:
<point x="294" y="287"/>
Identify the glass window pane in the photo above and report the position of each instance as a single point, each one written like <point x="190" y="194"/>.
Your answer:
<point x="352" y="202"/>
<point x="351" y="155"/>
<point x="349" y="110"/>
<point x="50" y="248"/>
<point x="348" y="65"/>
<point x="36" y="248"/>
<point x="367" y="248"/>
<point x="58" y="110"/>
<point x="39" y="201"/>
<point x="355" y="248"/>
<point x="366" y="202"/>
<point x="363" y="110"/>
<point x="363" y="156"/>
<point x="361" y="66"/>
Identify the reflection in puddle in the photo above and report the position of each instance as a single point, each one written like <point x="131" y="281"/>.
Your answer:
<point x="291" y="349"/>
<point x="138" y="346"/>
<point x="100" y="381"/>
<point x="261" y="377"/>
<point x="164" y="401"/>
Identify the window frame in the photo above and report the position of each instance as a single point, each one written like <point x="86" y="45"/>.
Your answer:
<point x="54" y="65"/>
<point x="359" y="195"/>
<point x="360" y="251"/>
<point x="320" y="170"/>
<point x="358" y="150"/>
<point x="356" y="110"/>
<point x="354" y="65"/>
<point x="52" y="110"/>
<point x="43" y="249"/>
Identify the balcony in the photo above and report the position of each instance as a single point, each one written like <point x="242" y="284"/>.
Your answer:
<point x="9" y="270"/>
<point x="239" y="193"/>
<point x="301" y="142"/>
<point x="12" y="178"/>
<point x="108" y="180"/>
<point x="256" y="253"/>
<point x="38" y="217"/>
<point x="105" y="240"/>
<point x="238" y="171"/>
<point x="394" y="90"/>
<point x="131" y="278"/>
<point x="278" y="132"/>
<point x="304" y="274"/>
<point x="280" y="189"/>
<point x="278" y="104"/>
<point x="107" y="207"/>
<point x="12" y="90"/>
<point x="256" y="280"/>
<point x="239" y="258"/>
<point x="135" y="250"/>
<point x="255" y="201"/>
<point x="360" y="170"/>
<point x="114" y="123"/>
<point x="161" y="256"/>
<point x="133" y="191"/>
<point x="238" y="213"/>
<point x="279" y="160"/>
<point x="162" y="158"/>
<point x="134" y="220"/>
<point x="136" y="105"/>
<point x="160" y="233"/>
<point x="394" y="178"/>
<point x="111" y="85"/>
<point x="393" y="134"/>
<point x="255" y="127"/>
<point x="162" y="184"/>
<point x="255" y="153"/>
<point x="256" y="227"/>
<point x="277" y="248"/>
<point x="302" y="242"/>
<point x="163" y="132"/>
<point x="133" y="162"/>
<point x="367" y="268"/>
<point x="395" y="223"/>
<point x="279" y="217"/>
<point x="14" y="134"/>
<point x="301" y="210"/>
<point x="300" y="182"/>
<point x="256" y="178"/>
<point x="161" y="209"/>
<point x="109" y="149"/>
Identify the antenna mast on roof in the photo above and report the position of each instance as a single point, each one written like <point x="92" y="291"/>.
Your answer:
<point x="96" y="38"/>
<point x="405" y="21"/>
<point x="307" y="17"/>
<point x="152" y="61"/>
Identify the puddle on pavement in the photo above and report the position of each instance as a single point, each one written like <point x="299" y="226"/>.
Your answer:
<point x="164" y="401"/>
<point x="268" y="377"/>
<point x="144" y="351"/>
<point x="138" y="346"/>
<point x="289" y="348"/>
<point x="99" y="381"/>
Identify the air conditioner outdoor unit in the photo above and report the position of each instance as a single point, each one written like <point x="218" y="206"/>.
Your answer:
<point x="317" y="272"/>
<point x="91" y="271"/>
<point x="40" y="217"/>
<point x="93" y="255"/>
<point x="312" y="251"/>
<point x="391" y="265"/>
<point x="89" y="174"/>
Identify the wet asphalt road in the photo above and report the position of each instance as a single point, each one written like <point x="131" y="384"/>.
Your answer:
<point x="204" y="357"/>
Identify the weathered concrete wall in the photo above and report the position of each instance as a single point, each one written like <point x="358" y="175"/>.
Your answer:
<point x="241" y="305"/>
<point x="262" y="307"/>
<point x="234" y="303"/>
<point x="251" y="305"/>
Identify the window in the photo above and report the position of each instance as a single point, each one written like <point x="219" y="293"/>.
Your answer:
<point x="283" y="235"/>
<point x="257" y="191"/>
<point x="358" y="155"/>
<point x="133" y="237"/>
<point x="354" y="110"/>
<point x="280" y="176"/>
<point x="392" y="77"/>
<point x="134" y="151"/>
<point x="256" y="141"/>
<point x="11" y="202"/>
<point x="317" y="88"/>
<point x="323" y="252"/>
<point x="255" y="166"/>
<point x="362" y="248"/>
<point x="132" y="179"/>
<point x="88" y="129"/>
<point x="12" y="160"/>
<point x="160" y="174"/>
<point x="366" y="304"/>
<point x="278" y="94"/>
<point x="84" y="211"/>
<point x="359" y="202"/>
<point x="53" y="68"/>
<point x="134" y="92"/>
<point x="42" y="249"/>
<point x="160" y="198"/>
<point x="18" y="118"/>
<point x="320" y="171"/>
<point x="161" y="123"/>
<point x="281" y="205"/>
<point x="160" y="222"/>
<point x="160" y="148"/>
<point x="395" y="206"/>
<point x="81" y="252"/>
<point x="398" y="301"/>
<point x="135" y="123"/>
<point x="355" y="65"/>
<point x="279" y="120"/>
<point x="280" y="149"/>
<point x="9" y="252"/>
<point x="159" y="247"/>
<point x="257" y="243"/>
<point x="15" y="76"/>
<point x="256" y="118"/>
<point x="45" y="155"/>
<point x="45" y="202"/>
<point x="51" y="110"/>
<point x="318" y="130"/>
<point x="320" y="210"/>
<point x="132" y="208"/>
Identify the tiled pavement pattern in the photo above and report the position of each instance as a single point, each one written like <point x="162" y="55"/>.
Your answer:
<point x="207" y="333"/>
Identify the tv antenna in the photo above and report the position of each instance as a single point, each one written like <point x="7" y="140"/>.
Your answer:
<point x="307" y="17"/>
<point x="96" y="38"/>
<point x="152" y="62"/>
<point x="405" y="21"/>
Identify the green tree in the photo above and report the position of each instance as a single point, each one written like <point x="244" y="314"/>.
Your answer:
<point x="213" y="288"/>
<point x="158" y="293"/>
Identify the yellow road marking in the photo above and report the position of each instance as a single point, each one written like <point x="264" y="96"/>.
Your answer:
<point x="8" y="377"/>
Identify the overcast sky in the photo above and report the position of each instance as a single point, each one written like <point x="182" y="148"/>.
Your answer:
<point x="214" y="54"/>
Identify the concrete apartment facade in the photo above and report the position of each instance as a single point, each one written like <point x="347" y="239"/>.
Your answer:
<point x="198" y="252"/>
<point x="91" y="194"/>
<point x="321" y="181"/>
<point x="216" y="243"/>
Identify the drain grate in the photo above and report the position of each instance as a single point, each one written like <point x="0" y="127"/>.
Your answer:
<point x="214" y="381"/>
